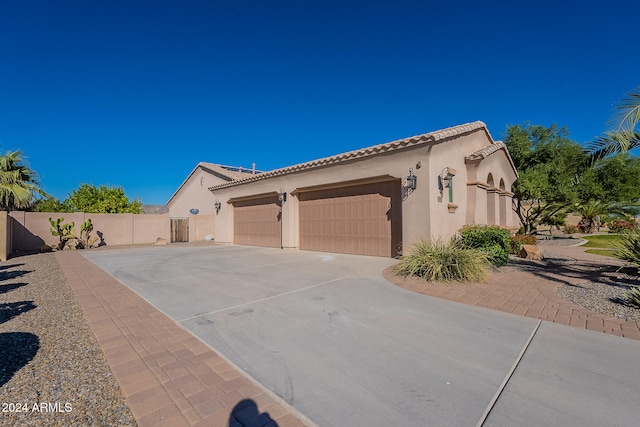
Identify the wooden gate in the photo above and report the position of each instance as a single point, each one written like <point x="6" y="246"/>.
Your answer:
<point x="179" y="230"/>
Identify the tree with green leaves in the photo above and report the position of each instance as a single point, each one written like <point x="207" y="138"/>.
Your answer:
<point x="548" y="163"/>
<point x="18" y="183"/>
<point x="624" y="137"/>
<point x="556" y="177"/>
<point x="607" y="189"/>
<point x="91" y="199"/>
<point x="51" y="204"/>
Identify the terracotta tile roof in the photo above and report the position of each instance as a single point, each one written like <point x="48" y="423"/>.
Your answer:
<point x="366" y="152"/>
<point x="485" y="152"/>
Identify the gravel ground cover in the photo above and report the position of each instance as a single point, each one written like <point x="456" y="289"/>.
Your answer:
<point x="52" y="370"/>
<point x="606" y="295"/>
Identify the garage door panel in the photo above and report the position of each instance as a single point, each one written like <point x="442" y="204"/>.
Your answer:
<point x="363" y="219"/>
<point x="257" y="222"/>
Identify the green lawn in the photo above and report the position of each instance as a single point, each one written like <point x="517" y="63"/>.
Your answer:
<point x="609" y="241"/>
<point x="606" y="244"/>
<point x="604" y="252"/>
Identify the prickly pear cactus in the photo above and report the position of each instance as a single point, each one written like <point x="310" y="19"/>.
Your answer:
<point x="65" y="232"/>
<point x="86" y="241"/>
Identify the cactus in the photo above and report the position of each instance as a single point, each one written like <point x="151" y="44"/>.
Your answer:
<point x="85" y="240"/>
<point x="65" y="232"/>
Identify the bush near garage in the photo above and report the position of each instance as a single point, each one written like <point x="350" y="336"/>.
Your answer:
<point x="444" y="261"/>
<point x="491" y="239"/>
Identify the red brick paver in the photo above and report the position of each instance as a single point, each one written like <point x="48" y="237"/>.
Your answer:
<point x="532" y="293"/>
<point x="168" y="377"/>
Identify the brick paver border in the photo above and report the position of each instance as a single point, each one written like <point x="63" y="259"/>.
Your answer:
<point x="532" y="294"/>
<point x="168" y="377"/>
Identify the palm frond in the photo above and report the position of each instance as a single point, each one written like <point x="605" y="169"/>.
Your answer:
<point x="629" y="111"/>
<point x="612" y="143"/>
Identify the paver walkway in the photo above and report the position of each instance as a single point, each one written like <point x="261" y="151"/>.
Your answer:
<point x="532" y="293"/>
<point x="168" y="377"/>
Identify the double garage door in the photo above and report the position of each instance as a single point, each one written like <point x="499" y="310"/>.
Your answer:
<point x="362" y="219"/>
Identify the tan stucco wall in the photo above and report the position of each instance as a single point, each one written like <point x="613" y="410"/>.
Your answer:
<point x="32" y="229"/>
<point x="201" y="225"/>
<point x="195" y="193"/>
<point x="425" y="213"/>
<point x="396" y="165"/>
<point x="5" y="235"/>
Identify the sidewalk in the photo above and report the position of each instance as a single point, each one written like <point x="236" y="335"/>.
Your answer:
<point x="532" y="294"/>
<point x="168" y="377"/>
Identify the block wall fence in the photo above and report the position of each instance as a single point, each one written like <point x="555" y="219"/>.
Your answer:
<point x="30" y="231"/>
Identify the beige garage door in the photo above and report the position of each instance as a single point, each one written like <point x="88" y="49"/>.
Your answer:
<point x="363" y="219"/>
<point x="256" y="222"/>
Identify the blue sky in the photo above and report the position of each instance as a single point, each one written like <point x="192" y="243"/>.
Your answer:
<point x="136" y="93"/>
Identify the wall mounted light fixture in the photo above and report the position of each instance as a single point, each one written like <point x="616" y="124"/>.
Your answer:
<point x="282" y="195"/>
<point x="411" y="181"/>
<point x="217" y="205"/>
<point x="445" y="180"/>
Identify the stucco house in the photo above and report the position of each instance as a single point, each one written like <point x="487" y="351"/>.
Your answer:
<point x="193" y="196"/>
<point x="371" y="201"/>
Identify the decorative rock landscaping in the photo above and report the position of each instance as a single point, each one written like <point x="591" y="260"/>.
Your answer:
<point x="52" y="370"/>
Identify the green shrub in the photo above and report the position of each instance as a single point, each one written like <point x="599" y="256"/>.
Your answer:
<point x="633" y="296"/>
<point x="516" y="242"/>
<point x="492" y="240"/>
<point x="444" y="261"/>
<point x="629" y="247"/>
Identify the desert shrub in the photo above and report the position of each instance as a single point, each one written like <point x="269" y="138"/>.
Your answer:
<point x="633" y="296"/>
<point x="571" y="229"/>
<point x="629" y="247"/>
<point x="622" y="226"/>
<point x="491" y="239"/>
<point x="444" y="261"/>
<point x="518" y="240"/>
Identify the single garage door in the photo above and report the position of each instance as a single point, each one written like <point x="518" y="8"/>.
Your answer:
<point x="256" y="222"/>
<point x="363" y="219"/>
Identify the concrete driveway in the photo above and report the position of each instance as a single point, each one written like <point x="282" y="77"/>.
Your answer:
<point x="346" y="348"/>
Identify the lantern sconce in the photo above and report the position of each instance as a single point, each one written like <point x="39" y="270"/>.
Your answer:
<point x="282" y="195"/>
<point x="217" y="205"/>
<point x="411" y="181"/>
<point x="445" y="179"/>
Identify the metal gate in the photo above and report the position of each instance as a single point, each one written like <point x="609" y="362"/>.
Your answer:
<point x="179" y="230"/>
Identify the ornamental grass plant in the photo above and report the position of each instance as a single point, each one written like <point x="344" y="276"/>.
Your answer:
<point x="628" y="247"/>
<point x="633" y="297"/>
<point x="444" y="261"/>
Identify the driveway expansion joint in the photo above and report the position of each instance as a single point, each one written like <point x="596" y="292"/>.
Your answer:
<point x="495" y="398"/>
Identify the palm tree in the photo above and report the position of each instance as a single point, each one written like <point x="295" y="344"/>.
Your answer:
<point x="591" y="211"/>
<point x="624" y="137"/>
<point x="18" y="183"/>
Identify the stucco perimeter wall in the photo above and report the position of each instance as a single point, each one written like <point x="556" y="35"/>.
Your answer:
<point x="200" y="226"/>
<point x="31" y="230"/>
<point x="5" y="235"/>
